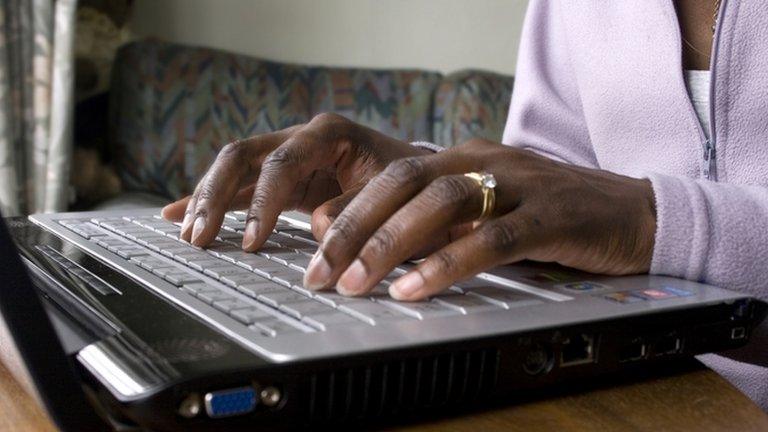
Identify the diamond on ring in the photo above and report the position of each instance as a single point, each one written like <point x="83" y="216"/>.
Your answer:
<point x="487" y="183"/>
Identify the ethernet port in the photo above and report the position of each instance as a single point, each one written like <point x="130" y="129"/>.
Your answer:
<point x="668" y="345"/>
<point x="577" y="349"/>
<point x="633" y="351"/>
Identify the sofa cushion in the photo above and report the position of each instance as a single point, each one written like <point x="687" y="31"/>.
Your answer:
<point x="173" y="107"/>
<point x="471" y="104"/>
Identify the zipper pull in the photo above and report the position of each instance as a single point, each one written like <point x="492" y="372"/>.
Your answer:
<point x="709" y="160"/>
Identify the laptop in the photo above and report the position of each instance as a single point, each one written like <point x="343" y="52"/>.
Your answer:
<point x="158" y="333"/>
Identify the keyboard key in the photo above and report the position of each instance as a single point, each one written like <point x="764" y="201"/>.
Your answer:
<point x="129" y="252"/>
<point x="278" y="254"/>
<point x="370" y="312"/>
<point x="233" y="225"/>
<point x="213" y="296"/>
<point x="236" y="256"/>
<point x="274" y="328"/>
<point x="198" y="287"/>
<point x="419" y="310"/>
<point x="187" y="257"/>
<point x="305" y="307"/>
<point x="276" y="298"/>
<point x="230" y="236"/>
<point x="231" y="305"/>
<point x="203" y="264"/>
<point x="223" y="270"/>
<point x="239" y="216"/>
<point x="240" y="279"/>
<point x="465" y="304"/>
<point x="503" y="297"/>
<point x="151" y="263"/>
<point x="300" y="263"/>
<point x="267" y="268"/>
<point x="223" y="249"/>
<point x="251" y="261"/>
<point x="287" y="277"/>
<point x="180" y="278"/>
<point x="256" y="288"/>
<point x="333" y="298"/>
<point x="174" y="250"/>
<point x="250" y="315"/>
<point x="329" y="320"/>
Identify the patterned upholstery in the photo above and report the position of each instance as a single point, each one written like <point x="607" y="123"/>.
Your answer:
<point x="470" y="104"/>
<point x="173" y="107"/>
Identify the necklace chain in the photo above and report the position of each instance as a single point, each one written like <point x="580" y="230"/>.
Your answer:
<point x="714" y="26"/>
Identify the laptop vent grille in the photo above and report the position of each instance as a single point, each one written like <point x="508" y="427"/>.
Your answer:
<point x="399" y="387"/>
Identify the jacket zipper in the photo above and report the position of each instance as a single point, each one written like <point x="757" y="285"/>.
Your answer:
<point x="709" y="167"/>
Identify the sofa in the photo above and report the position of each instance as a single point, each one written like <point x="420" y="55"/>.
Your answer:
<point x="172" y="107"/>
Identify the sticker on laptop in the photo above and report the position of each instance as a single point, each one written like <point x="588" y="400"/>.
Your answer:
<point x="583" y="286"/>
<point x="650" y="294"/>
<point x="662" y="293"/>
<point x="677" y="292"/>
<point x="623" y="297"/>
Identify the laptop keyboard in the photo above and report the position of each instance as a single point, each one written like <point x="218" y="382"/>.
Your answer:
<point x="263" y="291"/>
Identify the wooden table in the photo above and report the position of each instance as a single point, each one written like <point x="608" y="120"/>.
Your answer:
<point x="696" y="399"/>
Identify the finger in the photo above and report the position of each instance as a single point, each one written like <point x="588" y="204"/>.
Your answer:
<point x="174" y="211"/>
<point x="236" y="165"/>
<point x="306" y="151"/>
<point x="507" y="239"/>
<point x="327" y="212"/>
<point x="379" y="200"/>
<point x="447" y="201"/>
<point x="185" y="207"/>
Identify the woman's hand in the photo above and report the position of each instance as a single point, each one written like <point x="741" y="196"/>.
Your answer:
<point x="545" y="211"/>
<point x="318" y="167"/>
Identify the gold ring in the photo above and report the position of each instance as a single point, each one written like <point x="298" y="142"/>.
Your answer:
<point x="487" y="183"/>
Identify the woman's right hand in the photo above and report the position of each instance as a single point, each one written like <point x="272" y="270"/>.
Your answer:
<point x="316" y="168"/>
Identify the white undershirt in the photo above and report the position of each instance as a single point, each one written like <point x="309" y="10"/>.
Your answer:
<point x="697" y="83"/>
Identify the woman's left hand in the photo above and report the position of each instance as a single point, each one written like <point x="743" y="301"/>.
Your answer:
<point x="546" y="211"/>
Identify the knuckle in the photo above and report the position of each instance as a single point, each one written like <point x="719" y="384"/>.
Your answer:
<point x="444" y="261"/>
<point x="406" y="170"/>
<point x="450" y="189"/>
<point x="205" y="193"/>
<point x="501" y="236"/>
<point x="280" y="158"/>
<point x="258" y="201"/>
<point x="235" y="150"/>
<point x="327" y="118"/>
<point x="383" y="242"/>
<point x="342" y="232"/>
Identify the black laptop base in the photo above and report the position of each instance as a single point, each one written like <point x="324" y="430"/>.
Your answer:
<point x="378" y="387"/>
<point x="183" y="358"/>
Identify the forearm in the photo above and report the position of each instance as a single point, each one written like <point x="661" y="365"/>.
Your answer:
<point x="713" y="232"/>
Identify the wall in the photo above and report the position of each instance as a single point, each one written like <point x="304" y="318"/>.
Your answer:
<point x="443" y="35"/>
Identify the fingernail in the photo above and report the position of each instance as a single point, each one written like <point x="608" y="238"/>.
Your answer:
<point x="407" y="285"/>
<point x="251" y="231"/>
<point x="318" y="272"/>
<point x="198" y="228"/>
<point x="352" y="280"/>
<point x="186" y="222"/>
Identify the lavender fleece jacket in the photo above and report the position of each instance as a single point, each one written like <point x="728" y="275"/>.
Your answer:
<point x="600" y="84"/>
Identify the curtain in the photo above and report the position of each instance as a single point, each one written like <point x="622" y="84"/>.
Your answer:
<point x="36" y="104"/>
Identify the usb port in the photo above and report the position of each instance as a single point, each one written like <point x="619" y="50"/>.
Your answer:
<point x="577" y="349"/>
<point x="633" y="351"/>
<point x="668" y="345"/>
<point x="738" y="333"/>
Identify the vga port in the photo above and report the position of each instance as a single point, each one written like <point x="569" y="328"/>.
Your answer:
<point x="230" y="402"/>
